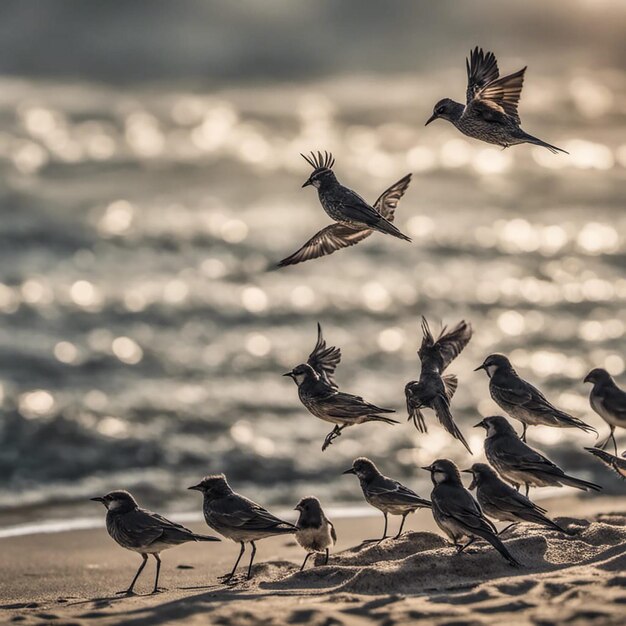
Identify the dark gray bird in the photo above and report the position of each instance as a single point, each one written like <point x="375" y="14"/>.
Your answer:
<point x="608" y="401"/>
<point x="522" y="401"/>
<point x="142" y="531"/>
<point x="237" y="518"/>
<point x="617" y="464"/>
<point x="356" y="220"/>
<point x="490" y="113"/>
<point x="385" y="494"/>
<point x="321" y="396"/>
<point x="457" y="513"/>
<point x="501" y="502"/>
<point x="519" y="464"/>
<point x="316" y="532"/>
<point x="434" y="390"/>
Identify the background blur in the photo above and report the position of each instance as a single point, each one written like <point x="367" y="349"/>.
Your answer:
<point x="149" y="157"/>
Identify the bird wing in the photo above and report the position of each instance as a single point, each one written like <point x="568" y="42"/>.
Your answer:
<point x="482" y="69"/>
<point x="326" y="241"/>
<point x="520" y="393"/>
<point x="457" y="503"/>
<point x="615" y="401"/>
<point x="240" y="512"/>
<point x="345" y="405"/>
<point x="515" y="453"/>
<point x="141" y="528"/>
<point x="333" y="532"/>
<point x="506" y="498"/>
<point x="388" y="200"/>
<point x="413" y="405"/>
<point x="391" y="491"/>
<point x="448" y="345"/>
<point x="353" y="207"/>
<point x="324" y="360"/>
<point x="500" y="97"/>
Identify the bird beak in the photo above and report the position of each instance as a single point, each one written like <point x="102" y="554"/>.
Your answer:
<point x="432" y="118"/>
<point x="290" y="374"/>
<point x="98" y="499"/>
<point x="195" y="488"/>
<point x="467" y="471"/>
<point x="428" y="468"/>
<point x="307" y="183"/>
<point x="480" y="367"/>
<point x="587" y="379"/>
<point x="349" y="471"/>
<point x="297" y="508"/>
<point x="480" y="424"/>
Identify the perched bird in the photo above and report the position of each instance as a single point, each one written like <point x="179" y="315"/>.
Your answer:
<point x="491" y="110"/>
<point x="321" y="396"/>
<point x="434" y="390"/>
<point x="617" y="464"/>
<point x="386" y="494"/>
<point x="608" y="401"/>
<point x="316" y="532"/>
<point x="519" y="464"/>
<point x="356" y="219"/>
<point x="457" y="513"/>
<point x="522" y="401"/>
<point x="501" y="502"/>
<point x="142" y="531"/>
<point x="237" y="518"/>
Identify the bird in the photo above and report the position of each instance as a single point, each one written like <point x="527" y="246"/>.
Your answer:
<point x="385" y="494"/>
<point x="237" y="518"/>
<point x="316" y="532"/>
<point x="434" y="390"/>
<point x="142" y="531"/>
<point x="617" y="464"/>
<point x="501" y="502"/>
<point x="518" y="463"/>
<point x="355" y="218"/>
<point x="522" y="401"/>
<point x="608" y="401"/>
<point x="457" y="513"/>
<point x="320" y="394"/>
<point x="490" y="113"/>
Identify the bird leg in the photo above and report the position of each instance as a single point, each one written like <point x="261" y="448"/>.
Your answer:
<point x="527" y="485"/>
<point x="306" y="558"/>
<point x="507" y="528"/>
<point x="401" y="526"/>
<point x="384" y="534"/>
<point x="158" y="569"/>
<point x="460" y="549"/>
<point x="129" y="591"/>
<point x="326" y="560"/>
<point x="524" y="427"/>
<point x="226" y="578"/>
<point x="332" y="435"/>
<point x="251" y="559"/>
<point x="605" y="443"/>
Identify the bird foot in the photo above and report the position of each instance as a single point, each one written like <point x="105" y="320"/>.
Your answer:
<point x="125" y="592"/>
<point x="158" y="590"/>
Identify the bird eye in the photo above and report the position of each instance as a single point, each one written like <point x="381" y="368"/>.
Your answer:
<point x="440" y="110"/>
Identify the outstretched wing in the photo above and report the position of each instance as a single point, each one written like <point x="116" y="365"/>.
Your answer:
<point x="388" y="201"/>
<point x="326" y="241"/>
<point x="324" y="359"/>
<point x="482" y="69"/>
<point x="502" y="95"/>
<point x="447" y="347"/>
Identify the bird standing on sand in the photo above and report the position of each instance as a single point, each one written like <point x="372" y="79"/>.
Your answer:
<point x="434" y="390"/>
<point x="501" y="502"/>
<point x="522" y="401"/>
<point x="316" y="532"/>
<point x="321" y="396"/>
<point x="608" y="401"/>
<point x="356" y="219"/>
<point x="237" y="518"/>
<point x="491" y="110"/>
<point x="385" y="494"/>
<point x="142" y="531"/>
<point x="520" y="464"/>
<point x="457" y="513"/>
<point x="617" y="464"/>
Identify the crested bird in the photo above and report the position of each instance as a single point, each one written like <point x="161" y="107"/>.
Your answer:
<point x="522" y="401"/>
<point x="434" y="390"/>
<point x="320" y="394"/>
<point x="142" y="531"/>
<point x="355" y="218"/>
<point x="518" y="463"/>
<point x="237" y="518"/>
<point x="385" y="494"/>
<point x="490" y="113"/>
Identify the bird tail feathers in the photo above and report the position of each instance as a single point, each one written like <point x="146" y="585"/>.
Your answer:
<point x="543" y="144"/>
<point x="385" y="226"/>
<point x="380" y="418"/>
<point x="585" y="485"/>
<point x="499" y="546"/>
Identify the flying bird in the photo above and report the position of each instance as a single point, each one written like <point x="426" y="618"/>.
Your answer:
<point x="501" y="502"/>
<point x="386" y="494"/>
<point x="434" y="390"/>
<point x="457" y="513"/>
<point x="522" y="401"/>
<point x="142" y="531"/>
<point x="608" y="401"/>
<point x="237" y="518"/>
<point x="320" y="394"/>
<point x="316" y="532"/>
<point x="355" y="218"/>
<point x="490" y="113"/>
<point x="519" y="464"/>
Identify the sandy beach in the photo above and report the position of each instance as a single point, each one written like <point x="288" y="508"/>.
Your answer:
<point x="71" y="577"/>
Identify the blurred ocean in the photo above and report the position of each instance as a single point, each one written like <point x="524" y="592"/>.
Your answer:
<point x="144" y="331"/>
